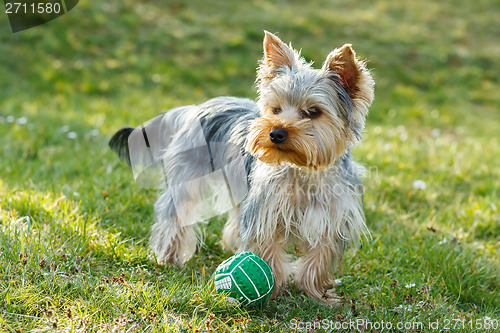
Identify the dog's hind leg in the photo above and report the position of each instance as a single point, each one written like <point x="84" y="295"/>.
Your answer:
<point x="172" y="240"/>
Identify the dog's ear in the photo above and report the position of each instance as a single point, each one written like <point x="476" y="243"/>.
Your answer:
<point x="276" y="55"/>
<point x="355" y="79"/>
<point x="343" y="61"/>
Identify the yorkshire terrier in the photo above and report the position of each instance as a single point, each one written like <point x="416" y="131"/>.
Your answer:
<point x="302" y="199"/>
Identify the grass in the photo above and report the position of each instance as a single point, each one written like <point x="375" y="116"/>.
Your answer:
<point x="74" y="226"/>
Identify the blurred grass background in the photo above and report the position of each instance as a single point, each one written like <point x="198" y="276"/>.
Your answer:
<point x="68" y="85"/>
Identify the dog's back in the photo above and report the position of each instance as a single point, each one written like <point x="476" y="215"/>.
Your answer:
<point x="221" y="119"/>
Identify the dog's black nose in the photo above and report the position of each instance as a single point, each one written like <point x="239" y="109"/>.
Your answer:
<point x="278" y="135"/>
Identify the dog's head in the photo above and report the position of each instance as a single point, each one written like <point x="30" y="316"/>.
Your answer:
<point x="308" y="117"/>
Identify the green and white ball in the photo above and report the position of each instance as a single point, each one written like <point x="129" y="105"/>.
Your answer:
<point x="246" y="278"/>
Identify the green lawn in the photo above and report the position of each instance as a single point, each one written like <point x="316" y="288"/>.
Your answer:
<point x="74" y="225"/>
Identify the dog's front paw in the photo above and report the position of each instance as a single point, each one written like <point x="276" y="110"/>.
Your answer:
<point x="329" y="297"/>
<point x="324" y="295"/>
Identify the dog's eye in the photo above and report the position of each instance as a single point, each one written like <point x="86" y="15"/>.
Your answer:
<point x="313" y="113"/>
<point x="276" y="110"/>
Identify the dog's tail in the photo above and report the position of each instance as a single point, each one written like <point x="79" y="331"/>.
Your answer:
<point x="119" y="143"/>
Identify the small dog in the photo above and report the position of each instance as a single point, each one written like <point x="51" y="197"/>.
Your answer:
<point x="303" y="187"/>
